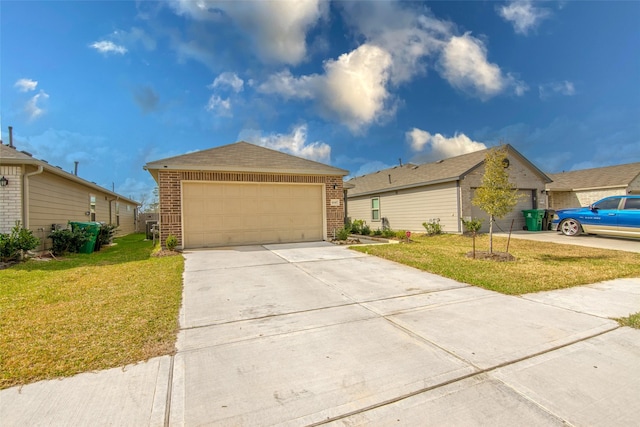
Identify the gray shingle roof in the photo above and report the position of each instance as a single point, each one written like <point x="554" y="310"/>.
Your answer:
<point x="245" y="157"/>
<point x="410" y="175"/>
<point x="9" y="154"/>
<point x="12" y="156"/>
<point x="605" y="177"/>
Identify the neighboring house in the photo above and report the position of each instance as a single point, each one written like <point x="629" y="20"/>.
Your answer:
<point x="583" y="187"/>
<point x="242" y="194"/>
<point x="403" y="197"/>
<point x="40" y="196"/>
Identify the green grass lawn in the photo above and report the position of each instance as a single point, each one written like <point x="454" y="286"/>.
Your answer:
<point x="88" y="311"/>
<point x="539" y="266"/>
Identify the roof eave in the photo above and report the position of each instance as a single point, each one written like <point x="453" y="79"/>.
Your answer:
<point x="402" y="187"/>
<point x="61" y="172"/>
<point x="332" y="171"/>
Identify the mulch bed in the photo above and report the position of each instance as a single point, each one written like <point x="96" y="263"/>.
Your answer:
<point x="495" y="256"/>
<point x="165" y="252"/>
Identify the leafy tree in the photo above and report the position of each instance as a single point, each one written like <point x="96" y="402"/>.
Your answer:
<point x="472" y="226"/>
<point x="496" y="196"/>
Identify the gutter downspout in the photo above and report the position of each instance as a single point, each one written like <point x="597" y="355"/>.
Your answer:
<point x="25" y="195"/>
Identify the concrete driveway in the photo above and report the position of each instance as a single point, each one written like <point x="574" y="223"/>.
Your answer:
<point x="309" y="334"/>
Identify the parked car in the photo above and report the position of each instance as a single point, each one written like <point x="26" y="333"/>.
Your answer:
<point x="611" y="216"/>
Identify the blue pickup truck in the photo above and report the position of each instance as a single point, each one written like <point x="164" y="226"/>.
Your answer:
<point x="611" y="216"/>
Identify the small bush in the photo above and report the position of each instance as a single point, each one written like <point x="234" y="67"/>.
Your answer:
<point x="172" y="242"/>
<point x="433" y="226"/>
<point x="473" y="225"/>
<point x="366" y="230"/>
<point x="343" y="233"/>
<point x="14" y="244"/>
<point x="105" y="235"/>
<point x="388" y="233"/>
<point x="377" y="232"/>
<point x="356" y="226"/>
<point x="68" y="241"/>
<point x="401" y="234"/>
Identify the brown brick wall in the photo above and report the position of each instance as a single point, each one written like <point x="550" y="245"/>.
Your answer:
<point x="170" y="197"/>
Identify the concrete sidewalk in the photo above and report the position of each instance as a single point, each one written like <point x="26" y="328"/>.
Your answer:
<point x="310" y="334"/>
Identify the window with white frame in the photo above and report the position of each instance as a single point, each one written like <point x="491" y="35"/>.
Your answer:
<point x="375" y="209"/>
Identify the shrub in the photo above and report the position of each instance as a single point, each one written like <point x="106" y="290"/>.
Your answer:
<point x="388" y="233"/>
<point x="366" y="230"/>
<point x="377" y="232"/>
<point x="473" y="225"/>
<point x="401" y="234"/>
<point x="343" y="233"/>
<point x="68" y="241"/>
<point x="171" y="242"/>
<point x="356" y="226"/>
<point x="14" y="244"/>
<point x="105" y="235"/>
<point x="433" y="226"/>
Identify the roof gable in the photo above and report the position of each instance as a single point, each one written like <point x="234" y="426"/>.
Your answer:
<point x="244" y="157"/>
<point x="604" y="177"/>
<point x="407" y="176"/>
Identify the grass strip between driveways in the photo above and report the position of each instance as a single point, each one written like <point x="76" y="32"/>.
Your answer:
<point x="87" y="312"/>
<point x="631" y="321"/>
<point x="539" y="266"/>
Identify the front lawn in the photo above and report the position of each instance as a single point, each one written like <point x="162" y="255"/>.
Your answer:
<point x="539" y="266"/>
<point x="88" y="311"/>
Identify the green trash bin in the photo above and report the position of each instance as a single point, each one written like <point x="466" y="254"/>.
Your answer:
<point x="533" y="219"/>
<point x="93" y="228"/>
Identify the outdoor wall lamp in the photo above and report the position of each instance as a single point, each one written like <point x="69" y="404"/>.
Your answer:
<point x="335" y="186"/>
<point x="4" y="181"/>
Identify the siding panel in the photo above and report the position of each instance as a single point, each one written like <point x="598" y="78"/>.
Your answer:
<point x="408" y="209"/>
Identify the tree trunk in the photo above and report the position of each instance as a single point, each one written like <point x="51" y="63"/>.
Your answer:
<point x="491" y="234"/>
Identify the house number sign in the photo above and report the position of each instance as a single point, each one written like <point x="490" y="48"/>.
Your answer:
<point x="335" y="202"/>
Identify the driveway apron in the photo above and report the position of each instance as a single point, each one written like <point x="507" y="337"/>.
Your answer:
<point x="314" y="333"/>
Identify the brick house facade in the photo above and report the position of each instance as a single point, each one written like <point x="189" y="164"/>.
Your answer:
<point x="251" y="164"/>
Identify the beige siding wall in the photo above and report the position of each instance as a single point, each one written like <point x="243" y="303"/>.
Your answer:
<point x="520" y="175"/>
<point x="634" y="186"/>
<point x="408" y="209"/>
<point x="10" y="198"/>
<point x="576" y="199"/>
<point x="55" y="200"/>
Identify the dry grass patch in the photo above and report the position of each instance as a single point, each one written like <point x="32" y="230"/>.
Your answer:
<point x="539" y="266"/>
<point x="632" y="321"/>
<point x="88" y="312"/>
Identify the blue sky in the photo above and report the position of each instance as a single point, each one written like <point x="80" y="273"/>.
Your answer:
<point x="359" y="84"/>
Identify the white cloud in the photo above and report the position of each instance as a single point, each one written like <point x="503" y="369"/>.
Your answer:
<point x="277" y="29"/>
<point x="435" y="147"/>
<point x="352" y="90"/>
<point x="565" y="88"/>
<point x="294" y="143"/>
<point x="409" y="35"/>
<point x="33" y="107"/>
<point x="26" y="85"/>
<point x="465" y="66"/>
<point x="107" y="47"/>
<point x="221" y="107"/>
<point x="523" y="15"/>
<point x="369" y="167"/>
<point x="412" y="35"/>
<point x="228" y="79"/>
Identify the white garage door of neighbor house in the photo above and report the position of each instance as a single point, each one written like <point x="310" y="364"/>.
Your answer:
<point x="503" y="225"/>
<point x="226" y="214"/>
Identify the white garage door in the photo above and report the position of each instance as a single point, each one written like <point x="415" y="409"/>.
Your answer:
<point x="224" y="214"/>
<point x="503" y="225"/>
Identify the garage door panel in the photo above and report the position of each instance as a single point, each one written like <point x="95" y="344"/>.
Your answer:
<point x="222" y="214"/>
